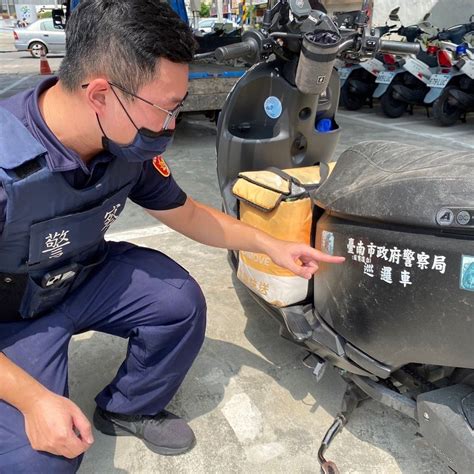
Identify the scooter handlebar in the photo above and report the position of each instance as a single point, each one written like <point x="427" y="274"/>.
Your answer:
<point x="246" y="48"/>
<point x="398" y="47"/>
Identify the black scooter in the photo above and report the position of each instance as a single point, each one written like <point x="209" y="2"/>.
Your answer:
<point x="408" y="86"/>
<point x="396" y="320"/>
<point x="358" y="78"/>
<point x="452" y="91"/>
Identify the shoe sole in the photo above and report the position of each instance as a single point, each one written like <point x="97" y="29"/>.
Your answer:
<point x="109" y="428"/>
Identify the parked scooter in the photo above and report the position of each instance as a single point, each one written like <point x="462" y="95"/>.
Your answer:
<point x="452" y="89"/>
<point x="358" y="75"/>
<point x="406" y="85"/>
<point x="396" y="318"/>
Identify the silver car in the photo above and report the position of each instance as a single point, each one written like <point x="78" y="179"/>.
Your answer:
<point x="41" y="34"/>
<point x="206" y="25"/>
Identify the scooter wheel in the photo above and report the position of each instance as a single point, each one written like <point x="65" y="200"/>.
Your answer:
<point x="392" y="107"/>
<point x="445" y="113"/>
<point x="351" y="101"/>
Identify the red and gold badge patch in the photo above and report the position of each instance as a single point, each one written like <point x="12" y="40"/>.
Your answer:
<point x="160" y="165"/>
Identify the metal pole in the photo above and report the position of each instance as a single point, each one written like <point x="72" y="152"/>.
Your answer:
<point x="219" y="10"/>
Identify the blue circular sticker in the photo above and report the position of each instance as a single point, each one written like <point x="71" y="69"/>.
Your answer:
<point x="273" y="107"/>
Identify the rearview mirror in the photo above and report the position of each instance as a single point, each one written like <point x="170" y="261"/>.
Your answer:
<point x="394" y="14"/>
<point x="426" y="16"/>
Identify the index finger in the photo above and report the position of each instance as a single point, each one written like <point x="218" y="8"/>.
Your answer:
<point x="324" y="257"/>
<point x="83" y="426"/>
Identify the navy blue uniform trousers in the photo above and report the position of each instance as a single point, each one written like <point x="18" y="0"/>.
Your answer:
<point x="137" y="293"/>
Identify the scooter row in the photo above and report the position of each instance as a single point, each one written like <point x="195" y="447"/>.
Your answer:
<point x="441" y="76"/>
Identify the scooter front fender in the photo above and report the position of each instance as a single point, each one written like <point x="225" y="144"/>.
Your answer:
<point x="433" y="94"/>
<point x="382" y="88"/>
<point x="344" y="75"/>
<point x="380" y="91"/>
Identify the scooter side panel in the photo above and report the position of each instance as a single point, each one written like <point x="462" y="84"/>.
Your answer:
<point x="418" y="69"/>
<point x="373" y="65"/>
<point x="401" y="297"/>
<point x="468" y="68"/>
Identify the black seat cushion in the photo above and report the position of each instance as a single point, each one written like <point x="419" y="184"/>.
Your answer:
<point x="398" y="183"/>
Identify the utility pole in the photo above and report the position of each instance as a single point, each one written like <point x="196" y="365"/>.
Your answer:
<point x="195" y="7"/>
<point x="220" y="9"/>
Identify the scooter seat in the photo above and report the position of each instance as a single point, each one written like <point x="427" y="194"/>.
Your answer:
<point x="402" y="184"/>
<point x="429" y="59"/>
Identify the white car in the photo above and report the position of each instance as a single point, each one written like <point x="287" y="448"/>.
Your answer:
<point x="42" y="34"/>
<point x="206" y="25"/>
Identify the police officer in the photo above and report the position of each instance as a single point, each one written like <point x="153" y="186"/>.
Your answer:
<point x="72" y="151"/>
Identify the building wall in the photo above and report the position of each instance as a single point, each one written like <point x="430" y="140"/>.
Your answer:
<point x="444" y="13"/>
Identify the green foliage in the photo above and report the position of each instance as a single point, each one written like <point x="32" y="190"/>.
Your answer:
<point x="45" y="14"/>
<point x="205" y="10"/>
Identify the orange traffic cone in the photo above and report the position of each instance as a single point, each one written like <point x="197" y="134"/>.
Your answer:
<point x="44" y="65"/>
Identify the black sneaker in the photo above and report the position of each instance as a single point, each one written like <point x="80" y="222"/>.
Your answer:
<point x="164" y="433"/>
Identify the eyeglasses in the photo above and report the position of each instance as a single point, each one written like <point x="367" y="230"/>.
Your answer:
<point x="171" y="114"/>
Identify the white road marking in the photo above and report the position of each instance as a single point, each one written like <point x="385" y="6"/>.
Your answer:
<point x="262" y="453"/>
<point x="139" y="233"/>
<point x="445" y="138"/>
<point x="243" y="417"/>
<point x="397" y="124"/>
<point x="16" y="83"/>
<point x="456" y="133"/>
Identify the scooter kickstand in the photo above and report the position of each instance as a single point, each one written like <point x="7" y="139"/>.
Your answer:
<point x="328" y="467"/>
<point x="352" y="397"/>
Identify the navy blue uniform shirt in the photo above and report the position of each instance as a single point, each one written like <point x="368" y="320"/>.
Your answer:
<point x="152" y="190"/>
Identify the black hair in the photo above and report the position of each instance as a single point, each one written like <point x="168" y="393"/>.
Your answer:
<point x="123" y="40"/>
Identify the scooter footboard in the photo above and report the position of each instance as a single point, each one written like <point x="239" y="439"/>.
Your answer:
<point x="401" y="297"/>
<point x="446" y="418"/>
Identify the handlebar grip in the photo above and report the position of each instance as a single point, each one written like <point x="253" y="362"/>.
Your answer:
<point x="397" y="47"/>
<point x="246" y="48"/>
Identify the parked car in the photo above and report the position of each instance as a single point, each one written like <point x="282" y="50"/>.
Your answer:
<point x="206" y="25"/>
<point x="41" y="34"/>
